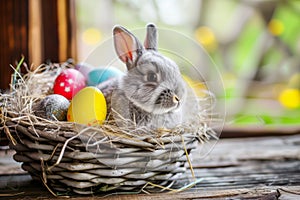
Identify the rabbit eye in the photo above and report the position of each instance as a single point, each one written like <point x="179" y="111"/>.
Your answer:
<point x="151" y="77"/>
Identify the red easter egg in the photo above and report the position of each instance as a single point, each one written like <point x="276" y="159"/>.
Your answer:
<point x="68" y="83"/>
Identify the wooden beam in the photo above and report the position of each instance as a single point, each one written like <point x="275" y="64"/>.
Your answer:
<point x="59" y="30"/>
<point x="13" y="37"/>
<point x="49" y="25"/>
<point x="38" y="30"/>
<point x="35" y="36"/>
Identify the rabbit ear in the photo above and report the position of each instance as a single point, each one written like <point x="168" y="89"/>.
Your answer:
<point x="127" y="46"/>
<point x="151" y="37"/>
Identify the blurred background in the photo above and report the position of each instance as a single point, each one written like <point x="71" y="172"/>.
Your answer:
<point x="254" y="47"/>
<point x="246" y="51"/>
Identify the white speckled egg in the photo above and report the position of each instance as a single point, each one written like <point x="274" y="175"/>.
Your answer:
<point x="53" y="107"/>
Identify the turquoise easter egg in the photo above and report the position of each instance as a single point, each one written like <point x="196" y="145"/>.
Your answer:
<point x="100" y="75"/>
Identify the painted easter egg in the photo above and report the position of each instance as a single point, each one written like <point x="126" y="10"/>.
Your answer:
<point x="87" y="107"/>
<point x="53" y="107"/>
<point x="68" y="83"/>
<point x="100" y="75"/>
<point x="84" y="68"/>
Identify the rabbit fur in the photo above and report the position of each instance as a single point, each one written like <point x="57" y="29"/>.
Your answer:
<point x="152" y="93"/>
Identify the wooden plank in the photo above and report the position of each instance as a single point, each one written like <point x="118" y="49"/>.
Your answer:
<point x="259" y="130"/>
<point x="253" y="168"/>
<point x="59" y="30"/>
<point x="35" y="33"/>
<point x="50" y="30"/>
<point x="13" y="37"/>
<point x="291" y="192"/>
<point x="7" y="165"/>
<point x="256" y="148"/>
<point x="38" y="30"/>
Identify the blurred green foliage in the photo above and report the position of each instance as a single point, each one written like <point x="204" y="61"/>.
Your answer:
<point x="254" y="44"/>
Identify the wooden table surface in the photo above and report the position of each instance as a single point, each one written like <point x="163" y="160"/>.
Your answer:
<point x="238" y="168"/>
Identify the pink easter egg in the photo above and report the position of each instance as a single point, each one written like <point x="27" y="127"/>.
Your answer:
<point x="68" y="83"/>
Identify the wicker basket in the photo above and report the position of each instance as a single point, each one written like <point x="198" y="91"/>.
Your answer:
<point x="72" y="158"/>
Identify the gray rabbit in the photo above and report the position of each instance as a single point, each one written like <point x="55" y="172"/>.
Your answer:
<point x="152" y="93"/>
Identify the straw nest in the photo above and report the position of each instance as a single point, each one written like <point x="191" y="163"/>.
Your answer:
<point x="72" y="158"/>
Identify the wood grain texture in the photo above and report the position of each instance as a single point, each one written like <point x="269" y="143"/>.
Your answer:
<point x="13" y="36"/>
<point x="247" y="168"/>
<point x="39" y="30"/>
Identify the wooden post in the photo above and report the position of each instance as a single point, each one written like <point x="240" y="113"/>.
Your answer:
<point x="35" y="33"/>
<point x="57" y="26"/>
<point x="13" y="37"/>
<point x="39" y="30"/>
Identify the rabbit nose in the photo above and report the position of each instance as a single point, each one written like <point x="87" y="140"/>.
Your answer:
<point x="176" y="98"/>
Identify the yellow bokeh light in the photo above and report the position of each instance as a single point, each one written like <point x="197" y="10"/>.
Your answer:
<point x="276" y="27"/>
<point x="91" y="36"/>
<point x="290" y="98"/>
<point x="206" y="37"/>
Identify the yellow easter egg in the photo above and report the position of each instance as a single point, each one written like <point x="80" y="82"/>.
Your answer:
<point x="87" y="107"/>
